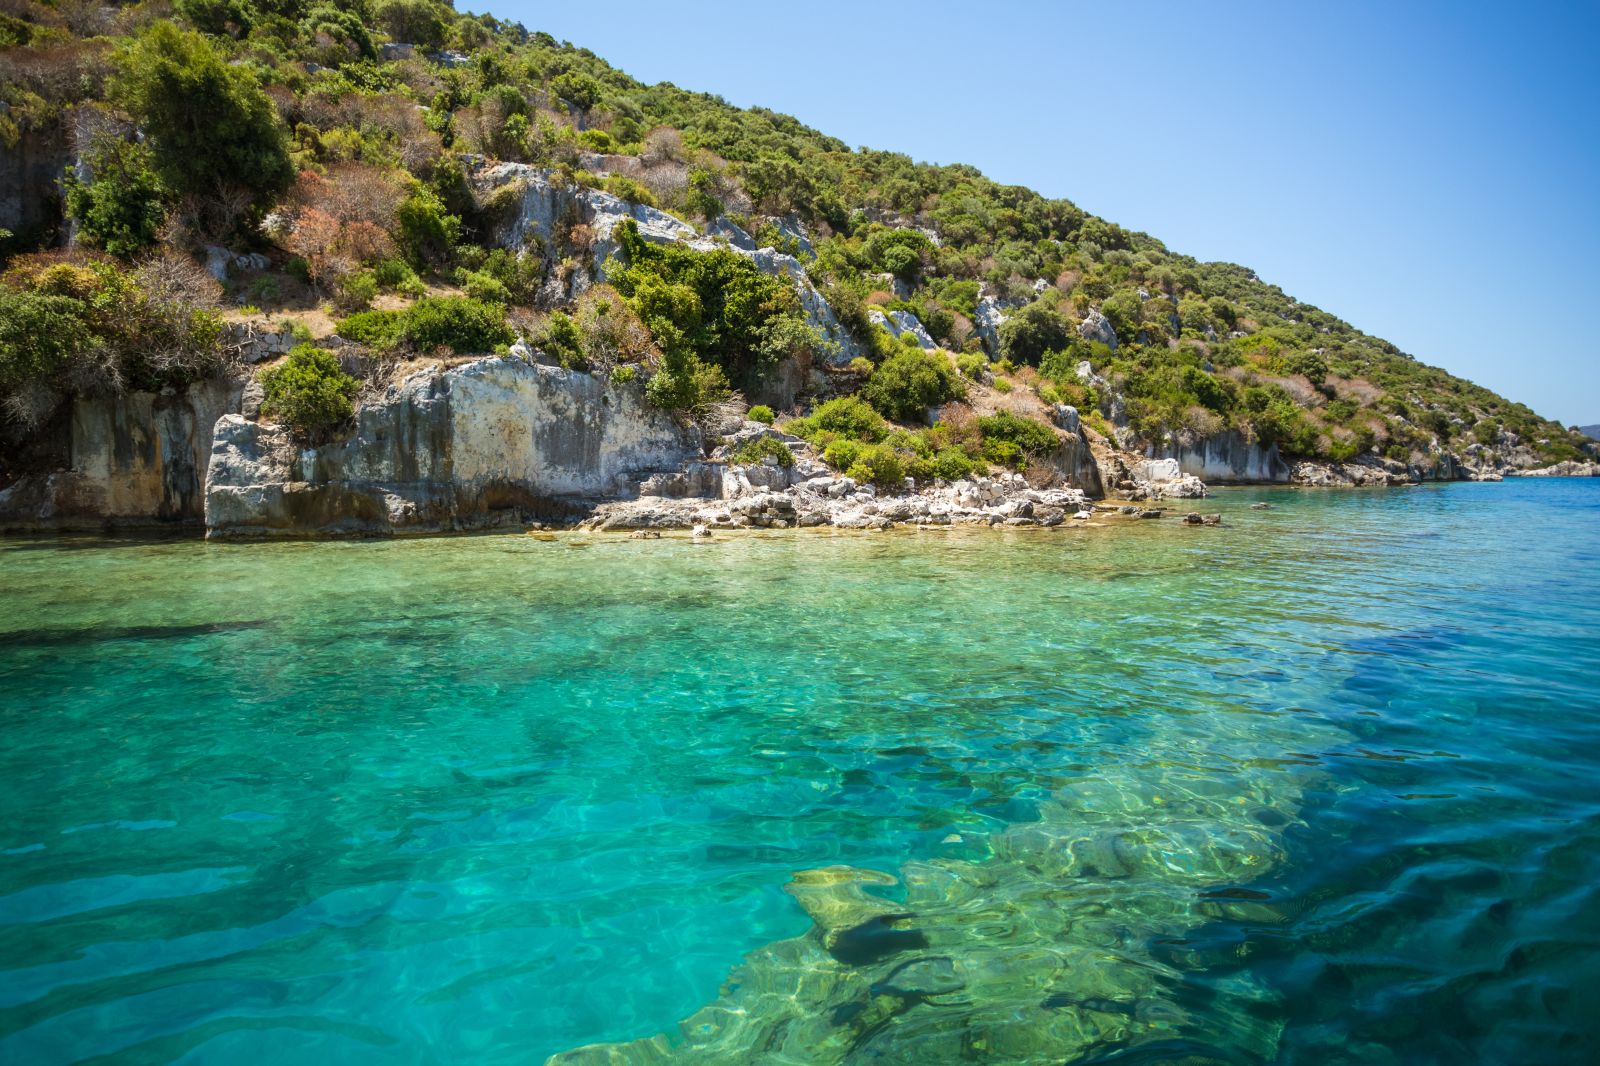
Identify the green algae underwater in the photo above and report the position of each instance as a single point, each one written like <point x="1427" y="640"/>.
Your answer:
<point x="1312" y="787"/>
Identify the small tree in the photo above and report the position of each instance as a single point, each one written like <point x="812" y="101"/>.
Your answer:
<point x="910" y="381"/>
<point x="120" y="209"/>
<point x="210" y="127"/>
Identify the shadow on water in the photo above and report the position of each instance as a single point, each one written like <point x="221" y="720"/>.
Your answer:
<point x="64" y="638"/>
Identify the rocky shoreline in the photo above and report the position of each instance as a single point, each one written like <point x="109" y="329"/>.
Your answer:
<point x="503" y="442"/>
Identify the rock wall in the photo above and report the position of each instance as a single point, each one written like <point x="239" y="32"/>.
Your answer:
<point x="489" y="443"/>
<point x="133" y="460"/>
<point x="546" y="207"/>
<point x="1225" y="457"/>
<point x="30" y="175"/>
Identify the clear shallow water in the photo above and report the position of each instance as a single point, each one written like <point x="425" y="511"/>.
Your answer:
<point x="1317" y="786"/>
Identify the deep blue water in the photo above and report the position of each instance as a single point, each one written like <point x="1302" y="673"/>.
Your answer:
<point x="1319" y="786"/>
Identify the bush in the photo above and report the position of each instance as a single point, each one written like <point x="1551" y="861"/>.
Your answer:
<point x="910" y="381"/>
<point x="841" y="453"/>
<point x="121" y="209"/>
<point x="39" y="334"/>
<point x="559" y="339"/>
<point x="308" y="391"/>
<point x="208" y="123"/>
<point x="459" y="323"/>
<point x="456" y="322"/>
<point x="752" y="452"/>
<point x="847" y="416"/>
<point x="760" y="413"/>
<point x="621" y="375"/>
<point x="427" y="231"/>
<point x="1034" y="330"/>
<point x="879" y="464"/>
<point x="375" y="329"/>
<point x="1009" y="440"/>
<point x="973" y="365"/>
<point x="355" y="291"/>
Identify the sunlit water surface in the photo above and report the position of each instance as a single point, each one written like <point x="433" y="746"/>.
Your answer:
<point x="1319" y="786"/>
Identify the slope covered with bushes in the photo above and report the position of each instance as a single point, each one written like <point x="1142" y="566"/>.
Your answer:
<point x="337" y="139"/>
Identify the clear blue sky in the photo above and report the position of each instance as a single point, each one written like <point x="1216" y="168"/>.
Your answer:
<point x="1429" y="172"/>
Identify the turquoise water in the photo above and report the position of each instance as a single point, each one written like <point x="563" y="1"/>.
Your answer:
<point x="1319" y="786"/>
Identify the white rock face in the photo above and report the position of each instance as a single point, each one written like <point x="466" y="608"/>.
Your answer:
<point x="547" y="204"/>
<point x="1227" y="457"/>
<point x="724" y="227"/>
<point x="1159" y="470"/>
<point x="491" y="442"/>
<point x="899" y="323"/>
<point x="987" y="321"/>
<point x="1096" y="327"/>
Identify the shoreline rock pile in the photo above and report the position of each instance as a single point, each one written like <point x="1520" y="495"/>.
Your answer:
<point x="841" y="502"/>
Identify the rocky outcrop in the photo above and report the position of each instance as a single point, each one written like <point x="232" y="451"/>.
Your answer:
<point x="490" y="443"/>
<point x="826" y="499"/>
<point x="902" y="323"/>
<point x="128" y="461"/>
<point x="1165" y="478"/>
<point x="1224" y="458"/>
<point x="1566" y="469"/>
<point x="1363" y="472"/>
<point x="547" y="208"/>
<point x="987" y="320"/>
<point x="1097" y="328"/>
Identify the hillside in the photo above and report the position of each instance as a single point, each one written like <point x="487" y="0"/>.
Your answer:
<point x="345" y="169"/>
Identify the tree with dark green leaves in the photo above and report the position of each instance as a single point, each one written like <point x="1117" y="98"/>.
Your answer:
<point x="120" y="208"/>
<point x="210" y="128"/>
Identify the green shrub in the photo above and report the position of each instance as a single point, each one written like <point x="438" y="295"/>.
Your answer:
<point x="879" y="464"/>
<point x="842" y="453"/>
<point x="456" y="322"/>
<point x="427" y="232"/>
<point x="847" y="416"/>
<point x="1003" y="385"/>
<point x="752" y="452"/>
<point x="355" y="291"/>
<point x="973" y="365"/>
<point x="692" y="389"/>
<point x="560" y="339"/>
<point x="910" y="381"/>
<point x="1034" y="330"/>
<point x="308" y="391"/>
<point x="760" y="413"/>
<point x="1009" y="440"/>
<point x="483" y="286"/>
<point x="121" y="209"/>
<point x="621" y="375"/>
<point x="459" y="323"/>
<point x="375" y="329"/>
<point x="39" y="334"/>
<point x="860" y="365"/>
<point x="209" y="125"/>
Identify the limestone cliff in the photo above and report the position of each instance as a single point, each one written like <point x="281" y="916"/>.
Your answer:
<point x="137" y="459"/>
<point x="489" y="443"/>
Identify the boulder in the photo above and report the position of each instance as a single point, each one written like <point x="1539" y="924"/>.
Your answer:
<point x="900" y="323"/>
<point x="1097" y="328"/>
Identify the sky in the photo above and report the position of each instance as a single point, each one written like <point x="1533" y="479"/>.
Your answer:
<point x="1428" y="172"/>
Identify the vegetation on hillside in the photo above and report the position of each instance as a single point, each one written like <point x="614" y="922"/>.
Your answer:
<point x="335" y="138"/>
